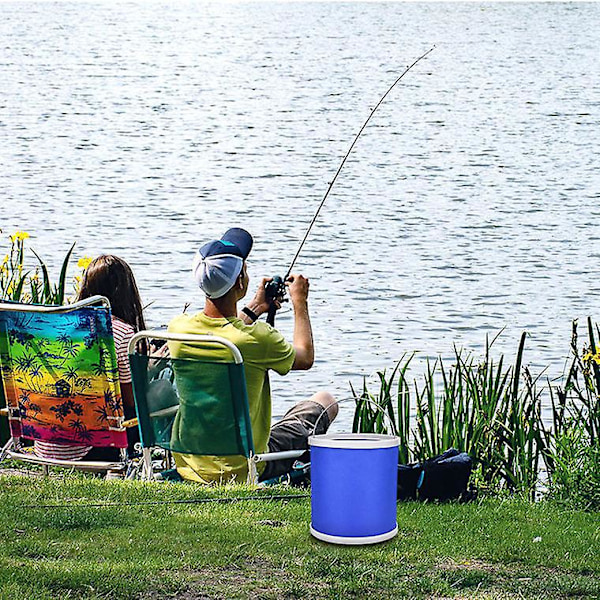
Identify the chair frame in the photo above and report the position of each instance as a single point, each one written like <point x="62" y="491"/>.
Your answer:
<point x="253" y="459"/>
<point x="11" y="449"/>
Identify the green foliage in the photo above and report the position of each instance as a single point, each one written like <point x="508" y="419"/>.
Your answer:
<point x="493" y="412"/>
<point x="575" y="479"/>
<point x="35" y="286"/>
<point x="477" y="406"/>
<point x="376" y="413"/>
<point x="573" y="454"/>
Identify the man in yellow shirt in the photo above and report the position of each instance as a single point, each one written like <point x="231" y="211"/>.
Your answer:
<point x="220" y="271"/>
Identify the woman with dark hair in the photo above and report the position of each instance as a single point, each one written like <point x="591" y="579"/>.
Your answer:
<point x="112" y="277"/>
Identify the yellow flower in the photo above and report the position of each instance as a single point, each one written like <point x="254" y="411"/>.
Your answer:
<point x="83" y="263"/>
<point x="589" y="357"/>
<point x="19" y="236"/>
<point x="6" y="259"/>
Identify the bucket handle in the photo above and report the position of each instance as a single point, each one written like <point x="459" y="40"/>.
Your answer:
<point x="369" y="401"/>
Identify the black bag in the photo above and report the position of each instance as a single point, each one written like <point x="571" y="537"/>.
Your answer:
<point x="443" y="477"/>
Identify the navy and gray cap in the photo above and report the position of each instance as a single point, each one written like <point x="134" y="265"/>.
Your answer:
<point x="219" y="263"/>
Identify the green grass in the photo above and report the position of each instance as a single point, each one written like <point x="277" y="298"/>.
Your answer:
<point x="262" y="548"/>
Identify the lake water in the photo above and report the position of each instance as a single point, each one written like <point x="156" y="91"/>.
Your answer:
<point x="470" y="203"/>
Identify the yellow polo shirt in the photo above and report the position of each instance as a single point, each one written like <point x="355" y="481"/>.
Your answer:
<point x="262" y="348"/>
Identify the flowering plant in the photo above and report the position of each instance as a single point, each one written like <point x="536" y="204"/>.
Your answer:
<point x="33" y="285"/>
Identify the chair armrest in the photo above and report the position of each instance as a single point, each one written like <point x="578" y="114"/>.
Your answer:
<point x="165" y="412"/>
<point x="271" y="456"/>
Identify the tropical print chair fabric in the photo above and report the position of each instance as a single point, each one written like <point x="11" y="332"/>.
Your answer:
<point x="60" y="377"/>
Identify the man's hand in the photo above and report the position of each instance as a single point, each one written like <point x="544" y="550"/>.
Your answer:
<point x="159" y="351"/>
<point x="298" y="289"/>
<point x="260" y="303"/>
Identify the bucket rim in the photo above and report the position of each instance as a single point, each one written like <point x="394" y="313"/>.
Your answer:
<point x="354" y="441"/>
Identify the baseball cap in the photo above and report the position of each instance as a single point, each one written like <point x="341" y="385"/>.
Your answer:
<point x="219" y="263"/>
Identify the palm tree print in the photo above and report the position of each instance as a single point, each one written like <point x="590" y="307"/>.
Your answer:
<point x="103" y="414"/>
<point x="81" y="430"/>
<point x="20" y="337"/>
<point x="85" y="436"/>
<point x="71" y="350"/>
<point x="36" y="372"/>
<point x="98" y="369"/>
<point x="57" y="388"/>
<point x="70" y="374"/>
<point x="83" y="383"/>
<point x="26" y="362"/>
<point x="112" y="401"/>
<point x="36" y="409"/>
<point x="77" y="425"/>
<point x="64" y="339"/>
<point x="64" y="409"/>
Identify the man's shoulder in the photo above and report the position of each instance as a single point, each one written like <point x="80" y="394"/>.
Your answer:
<point x="183" y="323"/>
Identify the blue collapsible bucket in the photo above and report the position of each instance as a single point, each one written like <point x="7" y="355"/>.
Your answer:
<point x="353" y="487"/>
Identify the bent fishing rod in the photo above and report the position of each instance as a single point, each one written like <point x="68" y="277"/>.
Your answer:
<point x="276" y="288"/>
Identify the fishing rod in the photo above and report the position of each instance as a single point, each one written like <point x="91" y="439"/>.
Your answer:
<point x="276" y="288"/>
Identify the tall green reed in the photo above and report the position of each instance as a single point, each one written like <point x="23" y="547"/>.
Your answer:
<point x="392" y="401"/>
<point x="481" y="407"/>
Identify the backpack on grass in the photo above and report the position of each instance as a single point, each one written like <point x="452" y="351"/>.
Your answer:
<point x="443" y="477"/>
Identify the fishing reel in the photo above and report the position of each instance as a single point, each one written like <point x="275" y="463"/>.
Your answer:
<point x="274" y="290"/>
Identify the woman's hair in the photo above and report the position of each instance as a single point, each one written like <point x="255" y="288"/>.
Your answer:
<point x="112" y="277"/>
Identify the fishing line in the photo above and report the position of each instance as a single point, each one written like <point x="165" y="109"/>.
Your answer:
<point x="160" y="502"/>
<point x="276" y="288"/>
<point x="346" y="157"/>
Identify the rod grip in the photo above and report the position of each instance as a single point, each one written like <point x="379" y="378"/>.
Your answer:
<point x="271" y="314"/>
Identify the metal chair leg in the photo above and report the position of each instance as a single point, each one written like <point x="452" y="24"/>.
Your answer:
<point x="147" y="461"/>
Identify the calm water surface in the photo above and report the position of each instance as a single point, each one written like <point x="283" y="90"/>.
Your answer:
<point x="470" y="203"/>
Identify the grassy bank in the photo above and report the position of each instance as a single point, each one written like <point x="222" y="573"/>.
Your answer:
<point x="262" y="548"/>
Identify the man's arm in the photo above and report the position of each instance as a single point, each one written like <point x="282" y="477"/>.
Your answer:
<point x="303" y="339"/>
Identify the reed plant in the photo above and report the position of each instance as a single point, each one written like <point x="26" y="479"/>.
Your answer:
<point x="13" y="276"/>
<point x="482" y="407"/>
<point x="388" y="411"/>
<point x="18" y="283"/>
<point x="573" y="452"/>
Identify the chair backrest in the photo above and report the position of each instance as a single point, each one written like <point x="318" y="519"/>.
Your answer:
<point x="60" y="375"/>
<point x="4" y="431"/>
<point x="192" y="406"/>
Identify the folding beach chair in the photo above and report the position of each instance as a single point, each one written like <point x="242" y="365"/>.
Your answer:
<point x="193" y="406"/>
<point x="60" y="381"/>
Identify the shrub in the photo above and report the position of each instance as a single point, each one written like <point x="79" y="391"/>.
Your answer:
<point x="482" y="407"/>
